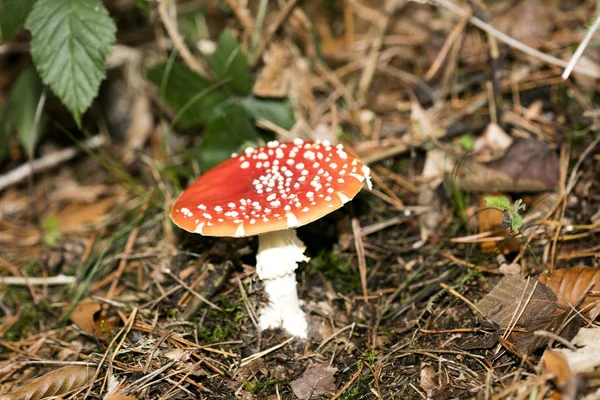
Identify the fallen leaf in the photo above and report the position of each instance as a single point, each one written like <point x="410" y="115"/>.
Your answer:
<point x="428" y="381"/>
<point x="578" y="286"/>
<point x="528" y="165"/>
<point x="564" y="324"/>
<point x="528" y="21"/>
<point x="587" y="357"/>
<point x="53" y="383"/>
<point x="75" y="215"/>
<point x="276" y="76"/>
<point x="87" y="316"/>
<point x="316" y="380"/>
<point x="556" y="363"/>
<point x="510" y="296"/>
<point x="492" y="143"/>
<point x="120" y="397"/>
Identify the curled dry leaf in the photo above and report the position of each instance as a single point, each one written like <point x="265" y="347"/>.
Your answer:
<point x="556" y="363"/>
<point x="492" y="143"/>
<point x="88" y="317"/>
<point x="316" y="380"/>
<point x="428" y="381"/>
<point x="574" y="287"/>
<point x="587" y="356"/>
<point x="53" y="383"/>
<point x="528" y="165"/>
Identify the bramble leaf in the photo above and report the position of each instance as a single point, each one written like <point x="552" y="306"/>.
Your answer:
<point x="230" y="64"/>
<point x="12" y="16"/>
<point x="70" y="40"/>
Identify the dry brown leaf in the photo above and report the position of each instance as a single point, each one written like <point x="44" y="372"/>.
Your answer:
<point x="75" y="215"/>
<point x="556" y="363"/>
<point x="564" y="324"/>
<point x="120" y="397"/>
<point x="87" y="316"/>
<point x="52" y="384"/>
<point x="492" y="143"/>
<point x="510" y="295"/>
<point x="578" y="286"/>
<point x="587" y="357"/>
<point x="528" y="165"/>
<point x="528" y="21"/>
<point x="428" y="381"/>
<point x="276" y="77"/>
<point x="316" y="380"/>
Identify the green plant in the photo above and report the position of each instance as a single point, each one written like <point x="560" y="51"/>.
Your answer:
<point x="511" y="218"/>
<point x="226" y="108"/>
<point x="70" y="40"/>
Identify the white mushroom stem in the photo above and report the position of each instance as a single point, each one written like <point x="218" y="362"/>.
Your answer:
<point x="278" y="256"/>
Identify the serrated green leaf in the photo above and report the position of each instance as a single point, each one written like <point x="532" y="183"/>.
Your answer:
<point x="225" y="135"/>
<point x="499" y="202"/>
<point x="279" y="112"/>
<point x="517" y="221"/>
<point x="230" y="64"/>
<point x="194" y="99"/>
<point x="70" y="40"/>
<point x="22" y="105"/>
<point x="12" y="16"/>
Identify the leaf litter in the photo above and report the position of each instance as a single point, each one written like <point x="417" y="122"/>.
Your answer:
<point x="477" y="115"/>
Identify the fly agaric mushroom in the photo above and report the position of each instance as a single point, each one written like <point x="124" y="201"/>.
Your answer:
<point x="269" y="191"/>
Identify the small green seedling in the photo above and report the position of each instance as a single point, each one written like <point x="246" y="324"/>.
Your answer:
<point x="510" y="214"/>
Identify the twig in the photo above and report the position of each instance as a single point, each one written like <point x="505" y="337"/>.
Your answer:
<point x="274" y="27"/>
<point x="48" y="161"/>
<point x="255" y="356"/>
<point x="188" y="58"/>
<point x="513" y="42"/>
<point x="241" y="14"/>
<point x="360" y="253"/>
<point x="192" y="291"/>
<point x="584" y="43"/>
<point x="44" y="281"/>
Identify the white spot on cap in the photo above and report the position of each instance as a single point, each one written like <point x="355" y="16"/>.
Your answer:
<point x="245" y="165"/>
<point x="367" y="171"/>
<point x="199" y="228"/>
<point x="218" y="208"/>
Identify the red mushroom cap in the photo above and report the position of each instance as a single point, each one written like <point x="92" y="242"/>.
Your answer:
<point x="274" y="187"/>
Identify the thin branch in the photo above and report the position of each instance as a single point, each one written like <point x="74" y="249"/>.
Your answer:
<point x="188" y="57"/>
<point x="48" y="161"/>
<point x="584" y="43"/>
<point x="513" y="42"/>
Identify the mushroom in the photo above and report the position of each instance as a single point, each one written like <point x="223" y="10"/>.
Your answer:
<point x="269" y="191"/>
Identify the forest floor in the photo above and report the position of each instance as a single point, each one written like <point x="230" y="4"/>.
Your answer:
<point x="97" y="284"/>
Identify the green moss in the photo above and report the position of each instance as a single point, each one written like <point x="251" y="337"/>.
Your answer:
<point x="263" y="387"/>
<point x="337" y="269"/>
<point x="26" y="321"/>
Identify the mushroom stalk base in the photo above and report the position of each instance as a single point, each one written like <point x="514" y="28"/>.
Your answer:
<point x="278" y="256"/>
<point x="283" y="309"/>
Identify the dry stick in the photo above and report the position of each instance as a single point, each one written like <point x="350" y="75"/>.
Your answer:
<point x="188" y="58"/>
<point x="123" y="263"/>
<point x="241" y="14"/>
<point x="454" y="35"/>
<point x="274" y="27"/>
<point x="512" y="42"/>
<point x="360" y="253"/>
<point x="48" y="161"/>
<point x="249" y="359"/>
<point x="371" y="64"/>
<point x="192" y="291"/>
<point x="26" y="281"/>
<point x="584" y="43"/>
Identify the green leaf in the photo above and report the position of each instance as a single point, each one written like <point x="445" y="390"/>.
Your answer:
<point x="517" y="221"/>
<point x="12" y="16"/>
<point x="230" y="64"/>
<point x="226" y="135"/>
<point x="22" y="105"/>
<point x="279" y="112"/>
<point x="499" y="202"/>
<point x="194" y="99"/>
<point x="70" y="40"/>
